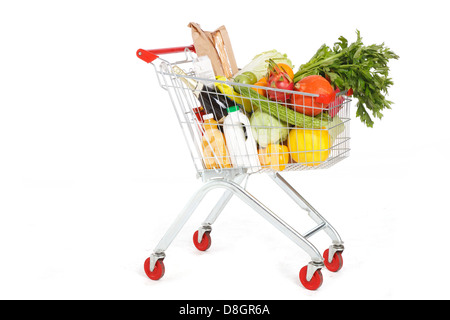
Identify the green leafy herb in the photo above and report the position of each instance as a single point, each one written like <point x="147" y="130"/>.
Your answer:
<point x="364" y="69"/>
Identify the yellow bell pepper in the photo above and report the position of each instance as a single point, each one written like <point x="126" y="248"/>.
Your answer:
<point x="309" y="147"/>
<point x="275" y="157"/>
<point x="233" y="95"/>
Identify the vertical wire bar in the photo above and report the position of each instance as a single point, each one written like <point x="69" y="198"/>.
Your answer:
<point x="171" y="75"/>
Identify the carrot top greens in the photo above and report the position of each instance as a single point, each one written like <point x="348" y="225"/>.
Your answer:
<point x="364" y="69"/>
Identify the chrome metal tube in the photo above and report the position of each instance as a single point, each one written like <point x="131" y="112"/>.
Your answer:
<point x="250" y="200"/>
<point x="313" y="213"/>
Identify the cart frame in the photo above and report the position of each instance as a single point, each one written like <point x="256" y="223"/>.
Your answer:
<point x="233" y="181"/>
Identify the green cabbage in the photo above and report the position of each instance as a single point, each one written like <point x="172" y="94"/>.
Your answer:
<point x="259" y="63"/>
<point x="267" y="129"/>
<point x="335" y="128"/>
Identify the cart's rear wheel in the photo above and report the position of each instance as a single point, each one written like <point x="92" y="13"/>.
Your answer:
<point x="205" y="243"/>
<point x="336" y="264"/>
<point x="315" y="282"/>
<point x="157" y="272"/>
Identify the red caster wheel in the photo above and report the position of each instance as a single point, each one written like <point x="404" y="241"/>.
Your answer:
<point x="205" y="243"/>
<point x="314" y="283"/>
<point x="336" y="264"/>
<point x="157" y="272"/>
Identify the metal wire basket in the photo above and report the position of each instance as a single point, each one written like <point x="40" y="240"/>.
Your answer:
<point x="285" y="140"/>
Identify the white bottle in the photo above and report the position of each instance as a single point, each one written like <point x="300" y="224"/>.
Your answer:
<point x="243" y="150"/>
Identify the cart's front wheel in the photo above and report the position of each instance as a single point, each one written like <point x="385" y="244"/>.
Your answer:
<point x="315" y="282"/>
<point x="336" y="264"/>
<point x="157" y="272"/>
<point x="205" y="243"/>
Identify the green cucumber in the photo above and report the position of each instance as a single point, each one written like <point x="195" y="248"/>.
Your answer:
<point x="281" y="112"/>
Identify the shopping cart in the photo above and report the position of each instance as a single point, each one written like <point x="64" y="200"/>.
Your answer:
<point x="215" y="115"/>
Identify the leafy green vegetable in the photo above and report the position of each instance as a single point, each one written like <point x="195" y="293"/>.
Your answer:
<point x="259" y="65"/>
<point x="364" y="69"/>
<point x="267" y="129"/>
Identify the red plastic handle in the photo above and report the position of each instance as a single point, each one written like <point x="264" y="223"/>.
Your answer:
<point x="150" y="55"/>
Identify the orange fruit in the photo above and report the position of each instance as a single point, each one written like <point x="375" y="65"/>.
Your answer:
<point x="262" y="83"/>
<point x="275" y="157"/>
<point x="286" y="68"/>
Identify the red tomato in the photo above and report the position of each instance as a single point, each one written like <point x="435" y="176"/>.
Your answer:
<point x="312" y="84"/>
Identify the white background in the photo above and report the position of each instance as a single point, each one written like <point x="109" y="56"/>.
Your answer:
<point x="93" y="166"/>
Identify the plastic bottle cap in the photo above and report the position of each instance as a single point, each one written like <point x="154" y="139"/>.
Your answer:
<point x="233" y="109"/>
<point x="208" y="116"/>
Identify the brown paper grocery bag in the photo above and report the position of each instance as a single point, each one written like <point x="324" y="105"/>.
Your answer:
<point x="217" y="46"/>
